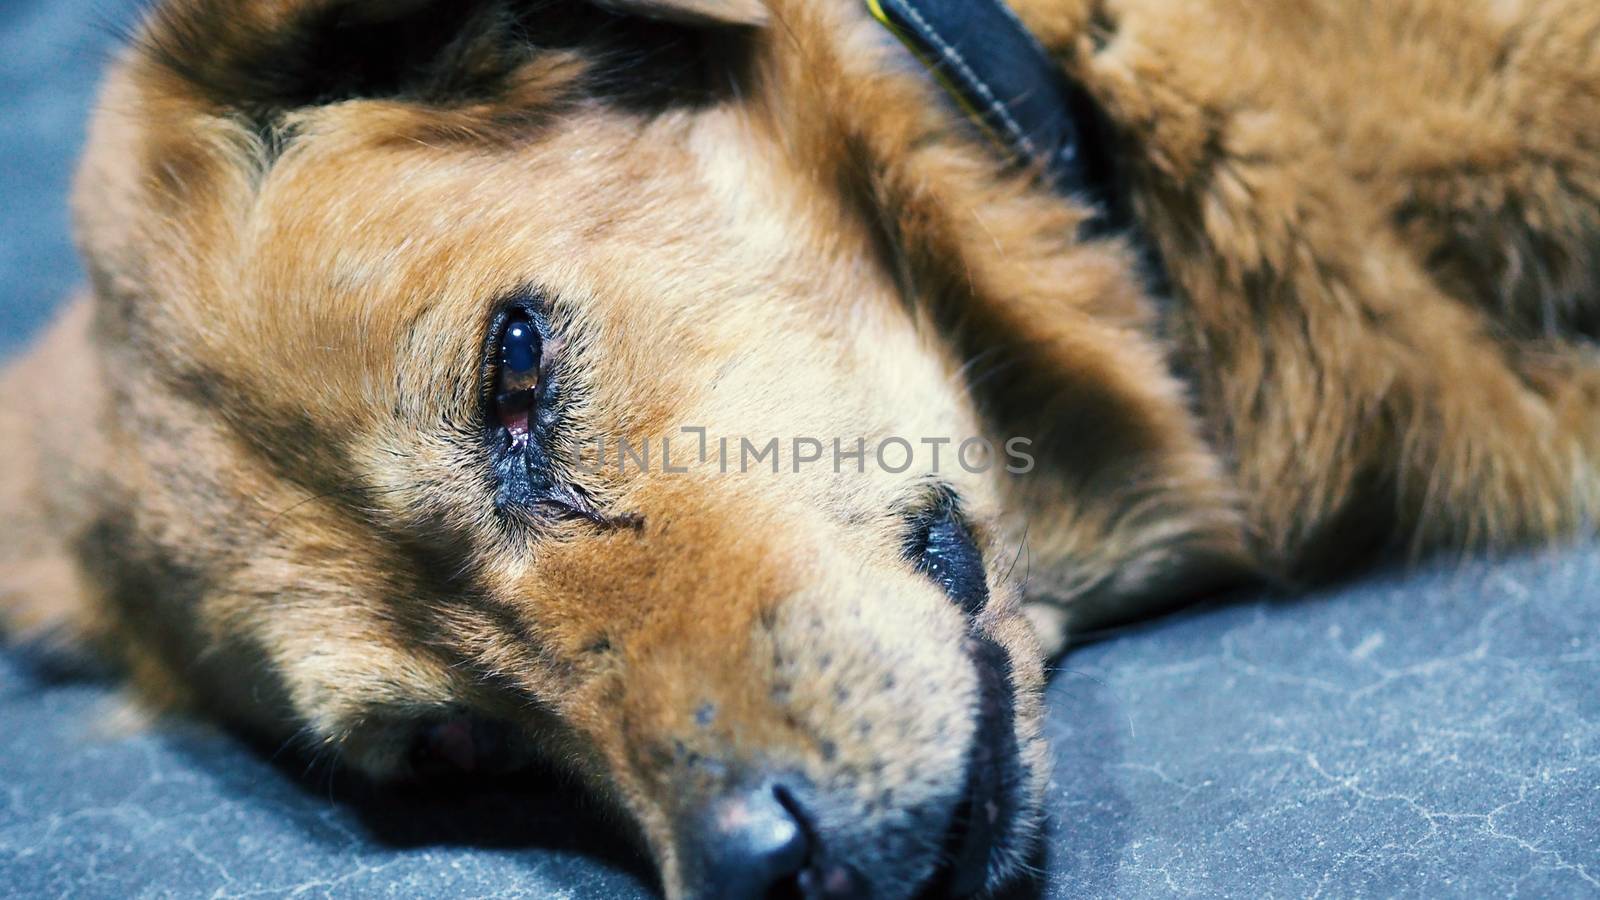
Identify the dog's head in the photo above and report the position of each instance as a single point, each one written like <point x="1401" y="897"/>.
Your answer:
<point x="628" y="383"/>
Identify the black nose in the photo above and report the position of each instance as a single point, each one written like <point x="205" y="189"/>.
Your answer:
<point x="749" y="843"/>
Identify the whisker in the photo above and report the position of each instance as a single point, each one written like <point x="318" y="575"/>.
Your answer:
<point x="336" y="492"/>
<point x="1022" y="544"/>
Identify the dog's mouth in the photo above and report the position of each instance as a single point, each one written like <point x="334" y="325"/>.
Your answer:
<point x="986" y="815"/>
<point x="982" y="828"/>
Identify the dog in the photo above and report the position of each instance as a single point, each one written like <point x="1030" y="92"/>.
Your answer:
<point x="418" y="408"/>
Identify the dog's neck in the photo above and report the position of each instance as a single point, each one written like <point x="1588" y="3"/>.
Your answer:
<point x="1010" y="85"/>
<point x="1005" y="80"/>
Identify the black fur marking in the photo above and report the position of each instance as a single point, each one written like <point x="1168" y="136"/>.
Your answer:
<point x="441" y="53"/>
<point x="320" y="55"/>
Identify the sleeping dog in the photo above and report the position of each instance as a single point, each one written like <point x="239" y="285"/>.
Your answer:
<point x="734" y="402"/>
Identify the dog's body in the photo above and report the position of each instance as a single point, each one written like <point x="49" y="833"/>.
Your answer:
<point x="269" y="467"/>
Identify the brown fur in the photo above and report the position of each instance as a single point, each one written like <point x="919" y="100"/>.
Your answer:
<point x="248" y="465"/>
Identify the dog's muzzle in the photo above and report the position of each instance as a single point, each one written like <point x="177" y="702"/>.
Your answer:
<point x="759" y="839"/>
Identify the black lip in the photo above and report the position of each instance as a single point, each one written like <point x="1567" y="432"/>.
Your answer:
<point x="994" y="770"/>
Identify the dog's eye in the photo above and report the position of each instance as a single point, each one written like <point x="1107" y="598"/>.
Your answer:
<point x="943" y="548"/>
<point x="517" y="376"/>
<point x="522" y="414"/>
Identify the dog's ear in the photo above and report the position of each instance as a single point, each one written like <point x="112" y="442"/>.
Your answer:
<point x="716" y="12"/>
<point x="692" y="12"/>
<point x="258" y="55"/>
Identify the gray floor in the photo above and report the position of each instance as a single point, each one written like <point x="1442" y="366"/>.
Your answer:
<point x="1430" y="735"/>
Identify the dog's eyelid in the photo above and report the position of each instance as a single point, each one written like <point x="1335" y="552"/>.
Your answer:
<point x="932" y="502"/>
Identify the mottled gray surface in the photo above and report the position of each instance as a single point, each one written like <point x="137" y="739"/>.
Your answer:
<point x="186" y="811"/>
<point x="1437" y="735"/>
<point x="1433" y="735"/>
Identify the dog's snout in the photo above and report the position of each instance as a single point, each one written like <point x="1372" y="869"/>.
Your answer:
<point x="751" y="844"/>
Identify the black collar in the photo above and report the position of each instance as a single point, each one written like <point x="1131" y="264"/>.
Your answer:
<point x="1005" y="80"/>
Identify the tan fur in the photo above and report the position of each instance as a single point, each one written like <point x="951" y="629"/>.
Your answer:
<point x="1382" y="218"/>
<point x="248" y="466"/>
